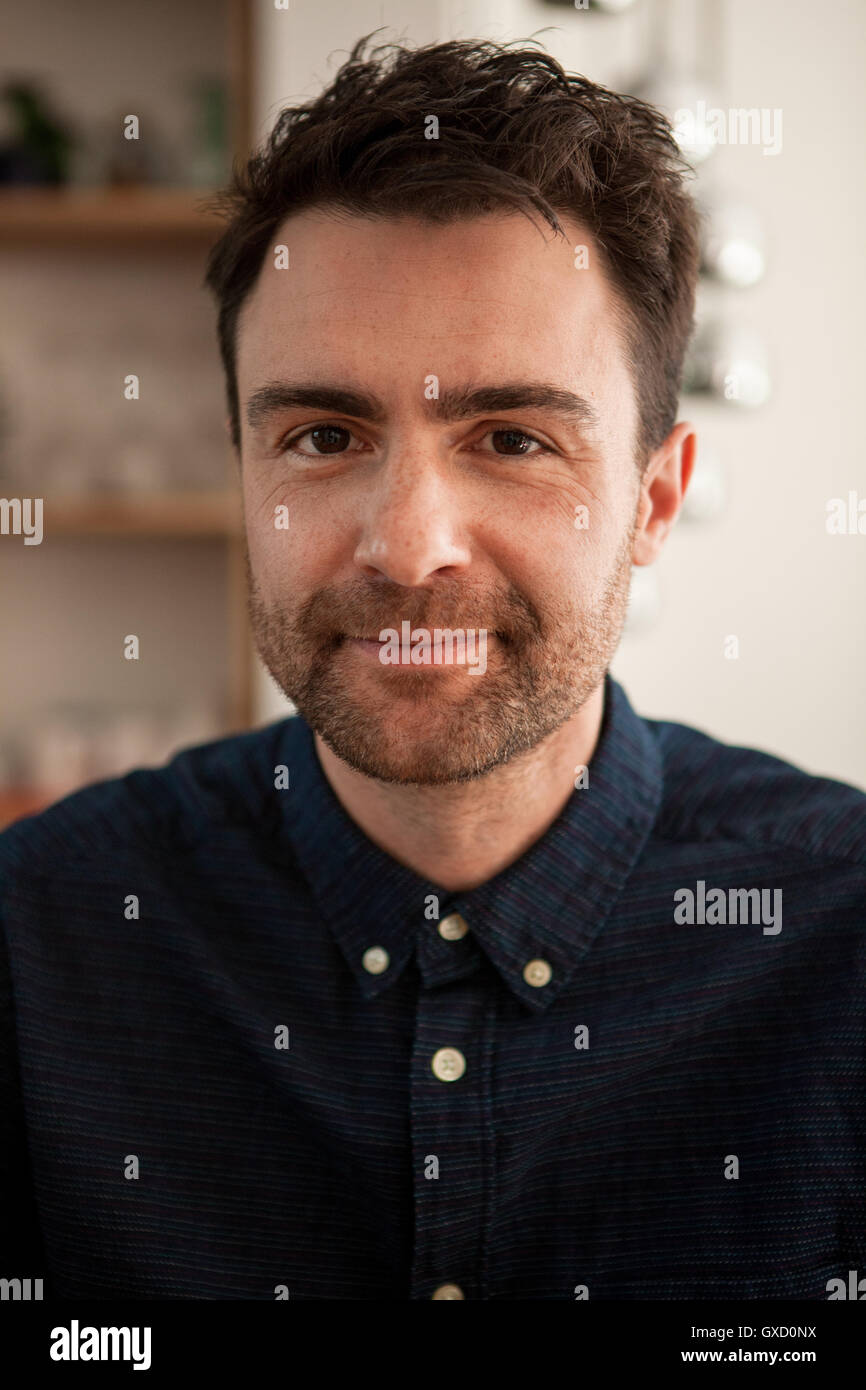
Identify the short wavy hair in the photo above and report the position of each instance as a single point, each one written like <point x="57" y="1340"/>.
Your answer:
<point x="516" y="132"/>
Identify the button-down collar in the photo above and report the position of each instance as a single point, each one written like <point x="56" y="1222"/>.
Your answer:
<point x="547" y="906"/>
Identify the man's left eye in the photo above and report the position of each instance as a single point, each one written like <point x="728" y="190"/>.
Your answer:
<point x="515" y="443"/>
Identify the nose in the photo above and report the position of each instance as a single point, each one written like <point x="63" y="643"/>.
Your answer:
<point x="412" y="525"/>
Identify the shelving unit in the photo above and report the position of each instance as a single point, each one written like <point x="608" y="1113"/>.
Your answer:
<point x="123" y="221"/>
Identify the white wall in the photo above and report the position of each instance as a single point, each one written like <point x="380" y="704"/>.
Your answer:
<point x="766" y="570"/>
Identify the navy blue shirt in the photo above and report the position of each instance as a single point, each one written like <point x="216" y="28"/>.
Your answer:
<point x="249" y="1055"/>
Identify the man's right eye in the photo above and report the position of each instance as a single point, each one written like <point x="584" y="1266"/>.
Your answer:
<point x="326" y="439"/>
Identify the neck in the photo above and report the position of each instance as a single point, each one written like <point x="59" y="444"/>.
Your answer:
<point x="460" y="835"/>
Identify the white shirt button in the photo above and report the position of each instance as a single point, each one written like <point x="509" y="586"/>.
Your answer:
<point x="376" y="959"/>
<point x="537" y="972"/>
<point x="452" y="927"/>
<point x="448" y="1291"/>
<point x="448" y="1064"/>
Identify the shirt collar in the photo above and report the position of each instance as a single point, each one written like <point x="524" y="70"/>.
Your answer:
<point x="547" y="906"/>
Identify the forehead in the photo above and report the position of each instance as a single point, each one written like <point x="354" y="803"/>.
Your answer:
<point x="490" y="293"/>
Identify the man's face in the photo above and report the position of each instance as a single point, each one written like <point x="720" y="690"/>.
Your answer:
<point x="509" y="518"/>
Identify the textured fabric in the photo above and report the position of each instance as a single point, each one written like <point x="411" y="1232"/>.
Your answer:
<point x="678" y="1112"/>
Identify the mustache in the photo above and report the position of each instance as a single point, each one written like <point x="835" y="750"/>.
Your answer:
<point x="370" y="609"/>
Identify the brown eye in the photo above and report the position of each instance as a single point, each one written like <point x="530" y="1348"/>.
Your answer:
<point x="514" y="442"/>
<point x="329" y="439"/>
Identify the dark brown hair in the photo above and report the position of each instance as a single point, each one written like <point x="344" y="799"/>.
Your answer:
<point x="516" y="132"/>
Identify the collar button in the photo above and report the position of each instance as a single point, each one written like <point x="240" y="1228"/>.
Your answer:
<point x="537" y="973"/>
<point x="375" y="960"/>
<point x="452" y="927"/>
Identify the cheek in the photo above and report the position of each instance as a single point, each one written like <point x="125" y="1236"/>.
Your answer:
<point x="290" y="554"/>
<point x="277" y="557"/>
<point x="271" y="521"/>
<point x="561" y="558"/>
<point x="570" y="531"/>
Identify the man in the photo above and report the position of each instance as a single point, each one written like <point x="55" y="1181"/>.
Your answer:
<point x="468" y="982"/>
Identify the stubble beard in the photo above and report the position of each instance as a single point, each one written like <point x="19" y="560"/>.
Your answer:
<point x="432" y="728"/>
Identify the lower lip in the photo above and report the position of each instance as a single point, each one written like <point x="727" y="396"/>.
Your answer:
<point x="375" y="649"/>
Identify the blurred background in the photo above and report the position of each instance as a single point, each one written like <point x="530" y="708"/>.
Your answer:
<point x="115" y="124"/>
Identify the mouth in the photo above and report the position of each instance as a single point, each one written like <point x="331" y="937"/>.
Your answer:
<point x="376" y="643"/>
<point x="363" y="637"/>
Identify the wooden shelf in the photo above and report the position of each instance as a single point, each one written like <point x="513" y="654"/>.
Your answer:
<point x="133" y="216"/>
<point x="182" y="514"/>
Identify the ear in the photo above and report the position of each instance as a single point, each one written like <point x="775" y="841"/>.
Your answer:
<point x="663" y="487"/>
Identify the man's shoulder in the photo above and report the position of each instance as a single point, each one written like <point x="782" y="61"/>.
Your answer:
<point x="225" y="781"/>
<point x="723" y="791"/>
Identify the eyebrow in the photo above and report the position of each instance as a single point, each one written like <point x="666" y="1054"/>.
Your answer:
<point x="453" y="403"/>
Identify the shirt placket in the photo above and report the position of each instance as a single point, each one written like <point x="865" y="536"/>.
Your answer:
<point x="452" y="1139"/>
